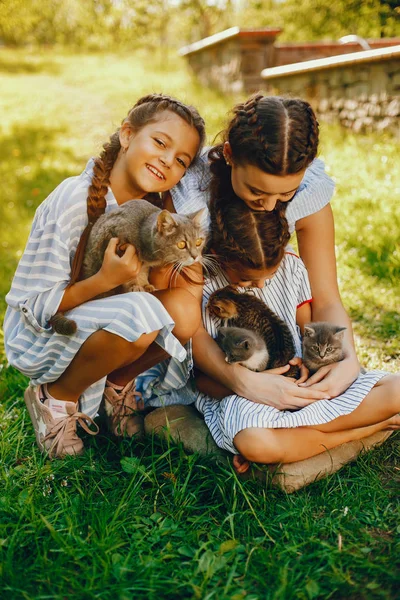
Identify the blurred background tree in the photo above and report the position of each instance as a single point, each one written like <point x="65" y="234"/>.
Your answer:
<point x="323" y="19"/>
<point x="114" y="24"/>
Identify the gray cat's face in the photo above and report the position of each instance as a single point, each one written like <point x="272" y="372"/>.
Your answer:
<point x="179" y="238"/>
<point x="237" y="344"/>
<point x="323" y="343"/>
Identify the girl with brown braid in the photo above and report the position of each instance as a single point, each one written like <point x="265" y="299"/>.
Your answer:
<point x="118" y="336"/>
<point x="249" y="249"/>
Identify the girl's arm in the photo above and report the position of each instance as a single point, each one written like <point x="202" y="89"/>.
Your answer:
<point x="209" y="386"/>
<point x="268" y="387"/>
<point x="316" y="241"/>
<point x="303" y="316"/>
<point x="114" y="271"/>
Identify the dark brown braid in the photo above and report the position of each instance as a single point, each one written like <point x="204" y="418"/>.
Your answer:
<point x="278" y="135"/>
<point x="247" y="239"/>
<point x="144" y="112"/>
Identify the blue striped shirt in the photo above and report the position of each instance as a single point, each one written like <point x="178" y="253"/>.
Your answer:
<point x="314" y="192"/>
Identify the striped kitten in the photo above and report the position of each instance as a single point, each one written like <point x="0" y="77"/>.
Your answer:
<point x="252" y="335"/>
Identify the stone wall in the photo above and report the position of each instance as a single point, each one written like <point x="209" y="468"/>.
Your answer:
<point x="361" y="91"/>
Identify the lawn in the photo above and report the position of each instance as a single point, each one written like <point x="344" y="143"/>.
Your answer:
<point x="146" y="520"/>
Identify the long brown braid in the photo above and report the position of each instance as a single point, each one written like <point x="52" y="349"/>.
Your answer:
<point x="247" y="239"/>
<point x="143" y="112"/>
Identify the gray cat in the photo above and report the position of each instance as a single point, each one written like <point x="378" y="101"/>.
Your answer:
<point x="253" y="334"/>
<point x="243" y="346"/>
<point x="161" y="238"/>
<point x="322" y="345"/>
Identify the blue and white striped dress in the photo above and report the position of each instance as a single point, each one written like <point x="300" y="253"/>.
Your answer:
<point x="168" y="382"/>
<point x="288" y="289"/>
<point x="38" y="286"/>
<point x="44" y="272"/>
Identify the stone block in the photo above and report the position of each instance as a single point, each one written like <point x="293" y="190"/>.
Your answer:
<point x="323" y="105"/>
<point x="374" y="110"/>
<point x="182" y="424"/>
<point x="185" y="424"/>
<point x="350" y="104"/>
<point x="393" y="108"/>
<point x="361" y="112"/>
<point x="294" y="476"/>
<point x="386" y="124"/>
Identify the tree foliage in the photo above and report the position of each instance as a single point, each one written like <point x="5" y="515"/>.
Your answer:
<point x="110" y="24"/>
<point x="324" y="19"/>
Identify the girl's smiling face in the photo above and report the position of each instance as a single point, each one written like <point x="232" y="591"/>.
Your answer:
<point x="249" y="277"/>
<point x="157" y="156"/>
<point x="258" y="189"/>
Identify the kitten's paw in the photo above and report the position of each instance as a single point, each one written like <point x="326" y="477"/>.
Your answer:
<point x="149" y="288"/>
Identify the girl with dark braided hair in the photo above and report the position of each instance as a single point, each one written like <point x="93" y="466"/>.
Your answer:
<point x="250" y="249"/>
<point x="121" y="335"/>
<point x="267" y="158"/>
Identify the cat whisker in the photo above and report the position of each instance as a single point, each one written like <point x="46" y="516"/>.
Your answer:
<point x="210" y="266"/>
<point x="174" y="274"/>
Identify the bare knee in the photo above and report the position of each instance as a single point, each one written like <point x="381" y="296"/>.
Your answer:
<point x="389" y="387"/>
<point x="259" y="445"/>
<point x="184" y="308"/>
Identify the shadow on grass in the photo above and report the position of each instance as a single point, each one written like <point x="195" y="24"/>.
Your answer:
<point x="33" y="164"/>
<point x="31" y="64"/>
<point x="378" y="260"/>
<point x="384" y="329"/>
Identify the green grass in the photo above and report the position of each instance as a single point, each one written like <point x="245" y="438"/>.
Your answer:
<point x="131" y="521"/>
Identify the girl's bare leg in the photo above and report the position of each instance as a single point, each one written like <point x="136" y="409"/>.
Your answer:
<point x="290" y="445"/>
<point x="185" y="311"/>
<point x="382" y="402"/>
<point x="102" y="352"/>
<point x="105" y="352"/>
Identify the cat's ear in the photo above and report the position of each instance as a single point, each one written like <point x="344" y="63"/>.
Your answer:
<point x="308" y="331"/>
<point x="166" y="223"/>
<point x="231" y="290"/>
<point x="340" y="332"/>
<point x="243" y="344"/>
<point x="223" y="309"/>
<point x="198" y="216"/>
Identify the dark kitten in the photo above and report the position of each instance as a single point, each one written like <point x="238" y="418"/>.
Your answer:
<point x="322" y="345"/>
<point x="161" y="238"/>
<point x="246" y="312"/>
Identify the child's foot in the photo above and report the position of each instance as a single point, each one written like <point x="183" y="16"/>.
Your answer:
<point x="54" y="422"/>
<point x="121" y="405"/>
<point x="240" y="464"/>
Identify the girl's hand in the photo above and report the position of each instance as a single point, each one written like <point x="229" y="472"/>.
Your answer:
<point x="334" y="379"/>
<point x="272" y="389"/>
<point x="304" y="372"/>
<point x="117" y="269"/>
